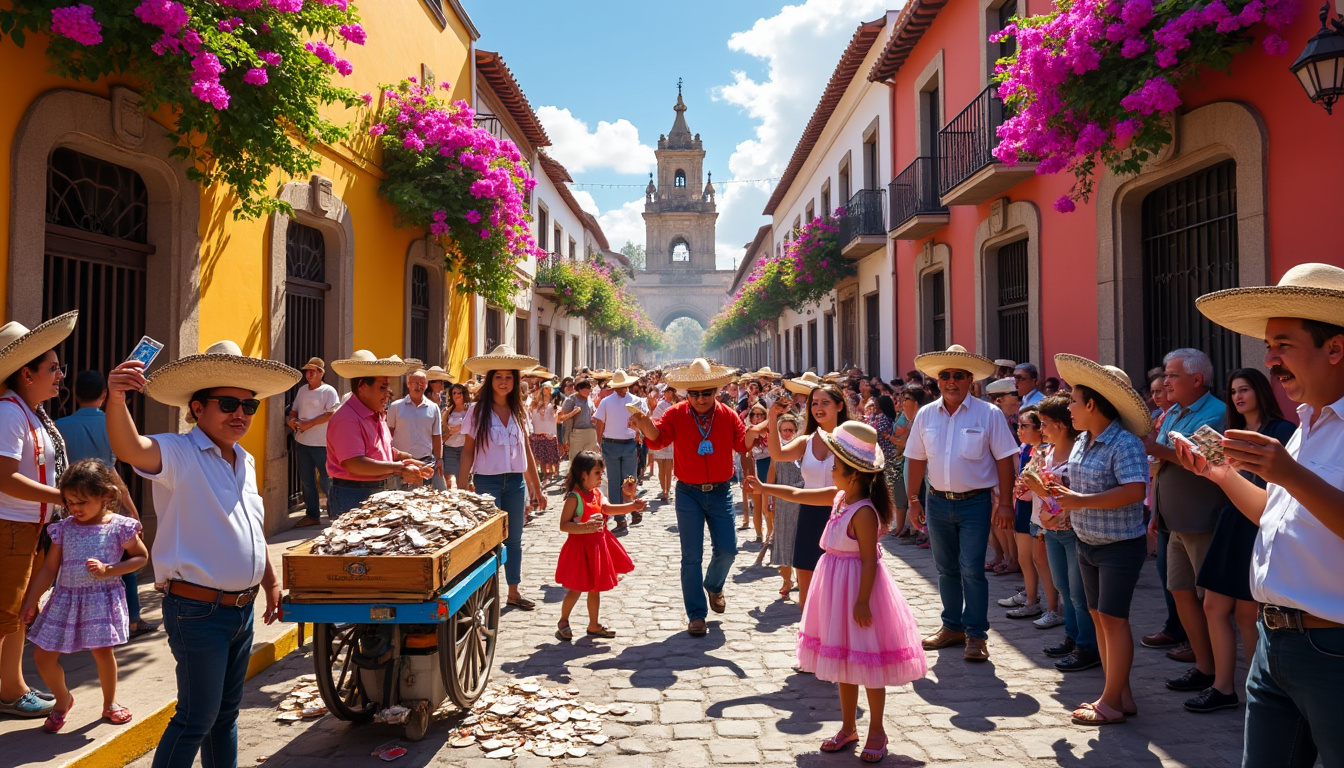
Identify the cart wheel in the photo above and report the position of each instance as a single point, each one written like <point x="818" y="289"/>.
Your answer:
<point x="467" y="644"/>
<point x="417" y="724"/>
<point x="337" y="675"/>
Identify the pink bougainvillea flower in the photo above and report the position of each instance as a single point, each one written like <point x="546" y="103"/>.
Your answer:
<point x="77" y="23"/>
<point x="256" y="76"/>
<point x="354" y="33"/>
<point x="270" y="58"/>
<point x="1065" y="204"/>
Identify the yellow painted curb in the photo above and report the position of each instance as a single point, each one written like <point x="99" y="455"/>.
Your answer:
<point x="142" y="734"/>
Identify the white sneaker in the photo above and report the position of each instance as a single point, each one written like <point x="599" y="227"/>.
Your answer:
<point x="1012" y="602"/>
<point x="1048" y="619"/>
<point x="1025" y="611"/>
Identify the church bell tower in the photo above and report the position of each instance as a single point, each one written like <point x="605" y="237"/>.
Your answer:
<point x="679" y="210"/>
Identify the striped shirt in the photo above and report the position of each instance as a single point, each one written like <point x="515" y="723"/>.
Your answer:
<point x="1113" y="458"/>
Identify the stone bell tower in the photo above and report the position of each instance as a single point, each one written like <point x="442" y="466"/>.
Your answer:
<point x="679" y="211"/>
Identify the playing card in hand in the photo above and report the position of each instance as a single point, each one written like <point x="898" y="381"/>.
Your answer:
<point x="1209" y="444"/>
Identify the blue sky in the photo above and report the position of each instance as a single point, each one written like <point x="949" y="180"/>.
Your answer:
<point x="602" y="77"/>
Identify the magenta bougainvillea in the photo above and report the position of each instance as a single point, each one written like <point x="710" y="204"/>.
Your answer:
<point x="1095" y="81"/>
<point x="595" y="291"/>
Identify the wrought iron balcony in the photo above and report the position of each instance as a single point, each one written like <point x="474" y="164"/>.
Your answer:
<point x="490" y="123"/>
<point x="544" y="285"/>
<point x="969" y="174"/>
<point x="862" y="230"/>
<point x="916" y="209"/>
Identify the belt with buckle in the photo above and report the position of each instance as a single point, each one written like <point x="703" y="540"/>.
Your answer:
<point x="1277" y="617"/>
<point x="358" y="483"/>
<point x="207" y="595"/>
<point x="703" y="487"/>
<point x="955" y="496"/>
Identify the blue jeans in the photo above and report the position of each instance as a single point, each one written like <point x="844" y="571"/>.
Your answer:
<point x="343" y="498"/>
<point x="1172" y="628"/>
<point x="212" y="645"/>
<point x="695" y="510"/>
<point x="622" y="462"/>
<point x="312" y="461"/>
<point x="958" y="534"/>
<point x="510" y="494"/>
<point x="1292" y="700"/>
<point x="132" y="583"/>
<point x="1061" y="549"/>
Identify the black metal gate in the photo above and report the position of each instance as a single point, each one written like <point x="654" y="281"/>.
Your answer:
<point x="544" y="349"/>
<point x="849" y="332"/>
<point x="420" y="314"/>
<point x="1189" y="249"/>
<point x="306" y="290"/>
<point x="1013" y="302"/>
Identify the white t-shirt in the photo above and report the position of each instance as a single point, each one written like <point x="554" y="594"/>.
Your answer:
<point x="414" y="427"/>
<point x="615" y="418"/>
<point x="18" y="423"/>
<point x="456" y="417"/>
<point x="310" y="403"/>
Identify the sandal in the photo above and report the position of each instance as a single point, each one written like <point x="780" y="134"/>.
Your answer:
<point x="521" y="603"/>
<point x="601" y="631"/>
<point x="874" y="755"/>
<point x="117" y="715"/>
<point x="56" y="720"/>
<point x="564" y="633"/>
<point x="1003" y="569"/>
<point x="785" y="590"/>
<point x="839" y="741"/>
<point x="1091" y="714"/>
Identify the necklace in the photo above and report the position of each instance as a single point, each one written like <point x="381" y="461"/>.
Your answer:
<point x="706" y="447"/>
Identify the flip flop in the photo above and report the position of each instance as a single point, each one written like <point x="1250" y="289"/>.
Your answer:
<point x="56" y="720"/>
<point x="601" y="632"/>
<point x="521" y="603"/>
<point x="874" y="755"/>
<point x="564" y="633"/>
<point x="839" y="741"/>
<point x="117" y="715"/>
<point x="1092" y="715"/>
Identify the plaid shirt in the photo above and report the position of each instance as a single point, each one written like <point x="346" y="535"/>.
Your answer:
<point x="1113" y="458"/>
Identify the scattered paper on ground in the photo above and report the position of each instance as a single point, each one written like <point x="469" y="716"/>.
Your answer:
<point x="524" y="716"/>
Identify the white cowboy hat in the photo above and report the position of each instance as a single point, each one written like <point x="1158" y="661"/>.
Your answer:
<point x="501" y="358"/>
<point x="1002" y="387"/>
<point x="803" y="384"/>
<point x="223" y="364"/>
<point x="436" y="373"/>
<point x="956" y="358"/>
<point x="622" y="380"/>
<point x="855" y="443"/>
<point x="1111" y="383"/>
<point x="364" y="363"/>
<point x="1307" y="291"/>
<point x="20" y="346"/>
<point x="700" y="374"/>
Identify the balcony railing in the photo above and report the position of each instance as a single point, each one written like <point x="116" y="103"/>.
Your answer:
<point x="862" y="216"/>
<point x="490" y="123"/>
<point x="969" y="174"/>
<point x="914" y="198"/>
<point x="544" y="285"/>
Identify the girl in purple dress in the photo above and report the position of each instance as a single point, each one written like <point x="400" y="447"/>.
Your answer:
<point x="87" y="608"/>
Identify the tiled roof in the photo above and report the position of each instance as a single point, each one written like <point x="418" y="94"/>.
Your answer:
<point x="590" y="221"/>
<point x="858" y="47"/>
<point x="491" y="67"/>
<point x="559" y="177"/>
<point x="915" y="19"/>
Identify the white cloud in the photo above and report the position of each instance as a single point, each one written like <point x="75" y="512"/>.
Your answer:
<point x="585" y="201"/>
<point x="624" y="223"/>
<point x="612" y="145"/>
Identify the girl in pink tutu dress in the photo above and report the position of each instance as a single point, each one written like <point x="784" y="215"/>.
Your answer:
<point x="857" y="629"/>
<point x="87" y="609"/>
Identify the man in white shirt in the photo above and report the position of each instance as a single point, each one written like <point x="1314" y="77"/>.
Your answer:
<point x="417" y="427"/>
<point x="1292" y="692"/>
<point x="964" y="446"/>
<point x="308" y="415"/>
<point x="612" y="421"/>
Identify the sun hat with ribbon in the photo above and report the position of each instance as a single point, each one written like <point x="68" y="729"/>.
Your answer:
<point x="436" y="373"/>
<point x="956" y="358"/>
<point x="621" y="380"/>
<point x="700" y="374"/>
<point x="1308" y="291"/>
<point x="316" y="364"/>
<point x="364" y="363"/>
<point x="1111" y="383"/>
<point x="855" y="443"/>
<point x="223" y="364"/>
<point x="501" y="358"/>
<point x="1002" y="387"/>
<point x="20" y="346"/>
<point x="803" y="384"/>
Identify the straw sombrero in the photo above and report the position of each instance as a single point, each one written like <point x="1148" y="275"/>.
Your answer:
<point x="767" y="374"/>
<point x="1002" y="387"/>
<point x="364" y="363"/>
<point x="223" y="364"/>
<point x="601" y="376"/>
<point x="20" y="346"/>
<point x="700" y="374"/>
<point x="315" y="363"/>
<point x="956" y="358"/>
<point x="502" y="358"/>
<point x="538" y="372"/>
<point x="855" y="443"/>
<point x="1309" y="291"/>
<point x="803" y="384"/>
<point x="436" y="373"/>
<point x="1004" y="362"/>
<point x="621" y="380"/>
<point x="1111" y="383"/>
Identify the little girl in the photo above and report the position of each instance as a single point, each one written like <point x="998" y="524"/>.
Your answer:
<point x="592" y="559"/>
<point x="857" y="629"/>
<point x="87" y="609"/>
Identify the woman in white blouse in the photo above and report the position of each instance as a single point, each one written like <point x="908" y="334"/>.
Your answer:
<point x="545" y="441"/>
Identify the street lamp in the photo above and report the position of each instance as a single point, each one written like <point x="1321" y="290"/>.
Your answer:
<point x="1320" y="67"/>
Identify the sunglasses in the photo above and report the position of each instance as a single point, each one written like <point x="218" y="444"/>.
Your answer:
<point x="697" y="393"/>
<point x="953" y="375"/>
<point x="229" y="404"/>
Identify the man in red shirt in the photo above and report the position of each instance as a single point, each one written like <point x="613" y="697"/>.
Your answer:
<point x="704" y="435"/>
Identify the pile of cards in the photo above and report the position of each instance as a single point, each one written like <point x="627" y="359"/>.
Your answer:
<point x="303" y="702"/>
<point x="525" y="717"/>
<point x="1206" y="442"/>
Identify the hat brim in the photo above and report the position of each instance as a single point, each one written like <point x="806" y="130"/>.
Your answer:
<point x="176" y="382"/>
<point x="842" y="452"/>
<point x="483" y="364"/>
<point x="932" y="363"/>
<point x="1248" y="310"/>
<point x="618" y="383"/>
<point x="440" y="376"/>
<point x="358" y="369"/>
<point x="40" y="340"/>
<point x="799" y="387"/>
<point x="1079" y="371"/>
<point x="679" y="378"/>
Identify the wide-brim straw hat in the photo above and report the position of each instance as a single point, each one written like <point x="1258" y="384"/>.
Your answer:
<point x="20" y="346"/>
<point x="1310" y="291"/>
<point x="767" y="374"/>
<point x="437" y="373"/>
<point x="501" y="358"/>
<point x="1111" y="383"/>
<point x="601" y="376"/>
<point x="364" y="363"/>
<point x="621" y="380"/>
<point x="223" y="364"/>
<point x="315" y="363"/>
<point x="1004" y="362"/>
<point x="956" y="358"/>
<point x="804" y="384"/>
<point x="538" y="372"/>
<point x="1002" y="387"/>
<point x="855" y="443"/>
<point x="700" y="374"/>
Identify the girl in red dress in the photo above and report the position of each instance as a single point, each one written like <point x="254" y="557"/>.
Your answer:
<point x="592" y="559"/>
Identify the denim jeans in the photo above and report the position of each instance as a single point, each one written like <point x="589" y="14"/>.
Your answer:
<point x="696" y="510"/>
<point x="132" y="583"/>
<point x="343" y="498"/>
<point x="622" y="462"/>
<point x="510" y="494"/>
<point x="959" y="534"/>
<point x="212" y="645"/>
<point x="1292" y="699"/>
<point x="1061" y="549"/>
<point x="312" y="461"/>
<point x="1172" y="628"/>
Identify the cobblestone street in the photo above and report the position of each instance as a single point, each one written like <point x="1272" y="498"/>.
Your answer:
<point x="733" y="698"/>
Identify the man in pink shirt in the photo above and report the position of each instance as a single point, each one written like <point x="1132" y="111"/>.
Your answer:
<point x="360" y="456"/>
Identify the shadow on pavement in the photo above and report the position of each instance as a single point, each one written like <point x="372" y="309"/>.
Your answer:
<point x="655" y="665"/>
<point x="808" y="702"/>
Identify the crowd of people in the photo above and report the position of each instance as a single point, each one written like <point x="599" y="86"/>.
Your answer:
<point x="1070" y="482"/>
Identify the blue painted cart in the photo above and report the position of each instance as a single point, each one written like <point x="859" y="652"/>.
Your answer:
<point x="371" y="658"/>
